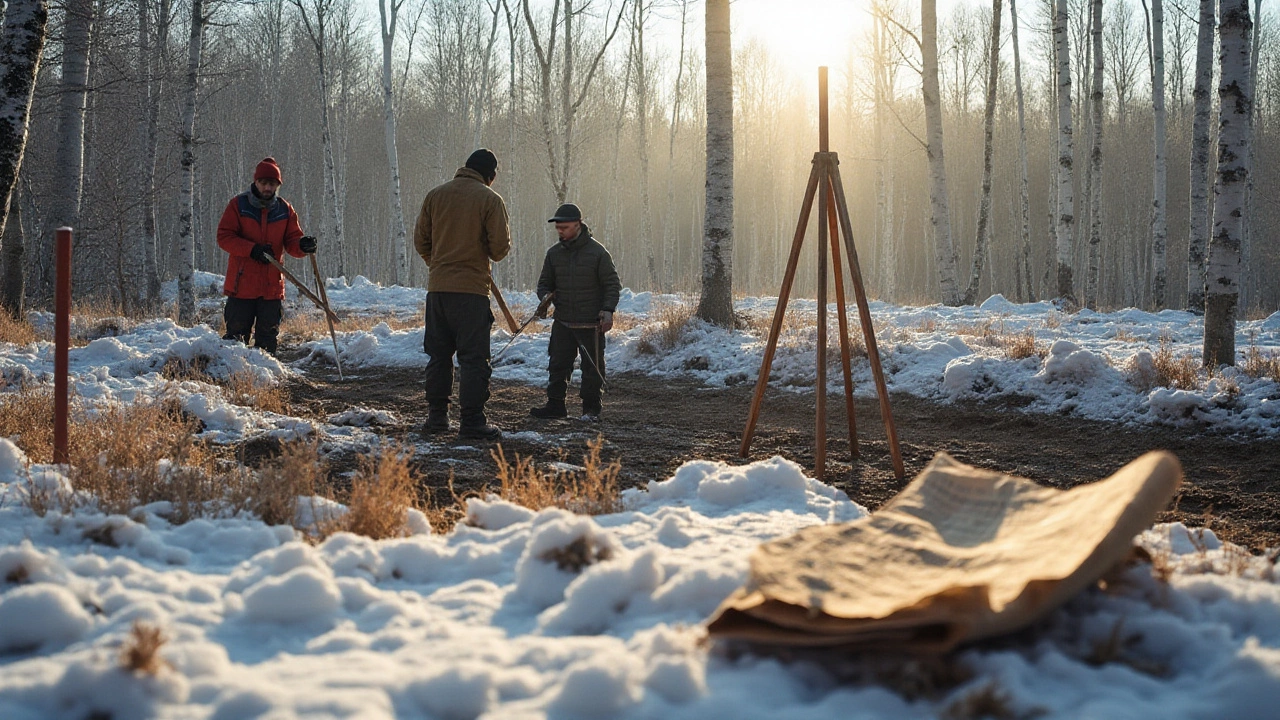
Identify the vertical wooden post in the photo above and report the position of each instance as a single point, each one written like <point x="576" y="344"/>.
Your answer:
<point x="820" y="384"/>
<point x="61" y="343"/>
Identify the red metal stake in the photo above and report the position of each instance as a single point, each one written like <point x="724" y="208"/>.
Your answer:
<point x="61" y="344"/>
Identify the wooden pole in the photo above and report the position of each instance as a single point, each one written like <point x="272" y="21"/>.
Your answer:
<point x="842" y="312"/>
<point x="776" y="329"/>
<point x="864" y="314"/>
<point x="324" y="295"/>
<point x="820" y="383"/>
<point x="302" y="288"/>
<point x="502" y="305"/>
<point x="61" y="344"/>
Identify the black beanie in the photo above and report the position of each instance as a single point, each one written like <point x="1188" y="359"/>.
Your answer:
<point x="483" y="162"/>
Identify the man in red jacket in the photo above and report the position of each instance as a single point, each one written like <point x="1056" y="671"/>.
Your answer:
<point x="258" y="223"/>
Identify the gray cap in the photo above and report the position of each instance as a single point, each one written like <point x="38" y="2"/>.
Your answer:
<point x="567" y="212"/>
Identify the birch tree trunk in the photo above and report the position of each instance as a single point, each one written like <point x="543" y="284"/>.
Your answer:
<point x="988" y="132"/>
<point x="1095" y="158"/>
<point x="1198" y="230"/>
<point x="1066" y="177"/>
<point x="560" y="163"/>
<point x="186" y="183"/>
<point x="316" y="16"/>
<point x="668" y="212"/>
<point x="944" y="249"/>
<point x="1160" y="171"/>
<point x="388" y="13"/>
<point x="69" y="156"/>
<point x="716" y="303"/>
<point x="150" y="60"/>
<point x="642" y="9"/>
<point x="21" y="44"/>
<point x="1023" y="262"/>
<point x="1235" y="106"/>
<point x="884" y="92"/>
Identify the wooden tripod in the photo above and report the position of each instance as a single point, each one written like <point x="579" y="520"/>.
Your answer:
<point x="826" y="185"/>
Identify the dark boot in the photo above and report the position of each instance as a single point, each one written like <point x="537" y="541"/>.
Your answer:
<point x="476" y="428"/>
<point x="553" y="409"/>
<point x="591" y="410"/>
<point x="437" y="419"/>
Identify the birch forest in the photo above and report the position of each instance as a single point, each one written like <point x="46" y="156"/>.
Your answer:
<point x="1081" y="140"/>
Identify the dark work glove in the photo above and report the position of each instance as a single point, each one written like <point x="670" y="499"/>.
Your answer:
<point x="260" y="253"/>
<point x="307" y="244"/>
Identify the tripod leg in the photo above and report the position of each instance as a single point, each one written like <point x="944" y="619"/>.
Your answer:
<point x="843" y="314"/>
<point x="820" y="385"/>
<point x="868" y="331"/>
<point x="787" y="279"/>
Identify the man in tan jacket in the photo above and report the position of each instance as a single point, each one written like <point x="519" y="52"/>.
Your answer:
<point x="462" y="227"/>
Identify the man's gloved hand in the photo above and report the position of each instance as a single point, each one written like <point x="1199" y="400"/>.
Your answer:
<point x="260" y="253"/>
<point x="544" y="305"/>
<point x="307" y="244"/>
<point x="606" y="321"/>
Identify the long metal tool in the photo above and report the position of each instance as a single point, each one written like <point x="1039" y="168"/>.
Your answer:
<point x="324" y="295"/>
<point x="542" y="307"/>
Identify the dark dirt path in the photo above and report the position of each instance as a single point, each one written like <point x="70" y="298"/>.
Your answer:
<point x="652" y="426"/>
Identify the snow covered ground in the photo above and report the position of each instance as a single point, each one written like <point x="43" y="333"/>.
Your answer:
<point x="496" y="619"/>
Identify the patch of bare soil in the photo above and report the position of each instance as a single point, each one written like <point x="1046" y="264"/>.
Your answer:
<point x="654" y="425"/>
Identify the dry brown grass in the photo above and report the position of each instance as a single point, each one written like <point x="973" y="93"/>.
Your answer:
<point x="1124" y="335"/>
<point x="305" y="327"/>
<point x="984" y="333"/>
<point x="1258" y="364"/>
<point x="592" y="490"/>
<point x="1053" y="320"/>
<point x="927" y="325"/>
<point x="178" y="369"/>
<point x="248" y="390"/>
<point x="272" y="494"/>
<point x="665" y="329"/>
<point x="383" y="490"/>
<point x="1022" y="345"/>
<point x="1182" y="373"/>
<point x="141" y="652"/>
<point x="18" y="332"/>
<point x="26" y="418"/>
<point x="131" y="455"/>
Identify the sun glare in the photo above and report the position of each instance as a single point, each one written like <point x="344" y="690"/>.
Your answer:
<point x="803" y="34"/>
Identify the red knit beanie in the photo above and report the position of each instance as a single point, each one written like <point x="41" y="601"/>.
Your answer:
<point x="268" y="170"/>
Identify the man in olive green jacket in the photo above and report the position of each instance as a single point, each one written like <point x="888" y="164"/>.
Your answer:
<point x="579" y="274"/>
<point x="461" y="228"/>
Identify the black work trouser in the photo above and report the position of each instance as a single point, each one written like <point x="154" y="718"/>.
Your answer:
<point x="458" y="323"/>
<point x="565" y="346"/>
<point x="259" y="316"/>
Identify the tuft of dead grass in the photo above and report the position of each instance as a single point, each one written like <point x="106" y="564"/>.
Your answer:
<point x="665" y="329"/>
<point x="249" y="390"/>
<point x="592" y="490"/>
<point x="141" y="652"/>
<point x="272" y="494"/>
<point x="383" y="490"/>
<point x="1258" y="364"/>
<point x="126" y="456"/>
<point x="1175" y="372"/>
<point x="986" y="702"/>
<point x="1022" y="345"/>
<point x="18" y="332"/>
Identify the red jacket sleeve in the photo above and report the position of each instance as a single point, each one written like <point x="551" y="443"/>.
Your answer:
<point x="293" y="233"/>
<point x="229" y="237"/>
